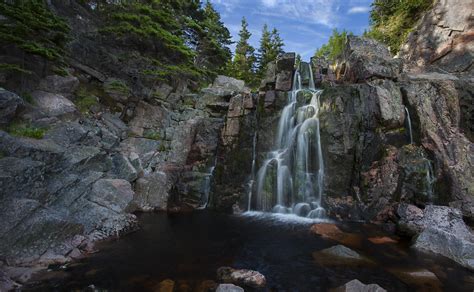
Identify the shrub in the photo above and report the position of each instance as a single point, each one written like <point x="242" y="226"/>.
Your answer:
<point x="26" y="130"/>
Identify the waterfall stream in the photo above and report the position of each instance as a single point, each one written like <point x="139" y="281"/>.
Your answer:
<point x="291" y="179"/>
<point x="409" y="125"/>
<point x="207" y="186"/>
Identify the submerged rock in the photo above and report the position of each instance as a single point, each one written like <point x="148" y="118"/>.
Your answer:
<point x="331" y="231"/>
<point x="241" y="277"/>
<point x="229" y="288"/>
<point x="358" y="286"/>
<point x="422" y="278"/>
<point x="339" y="255"/>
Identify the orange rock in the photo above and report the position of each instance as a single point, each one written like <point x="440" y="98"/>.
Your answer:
<point x="382" y="240"/>
<point x="165" y="286"/>
<point x="331" y="231"/>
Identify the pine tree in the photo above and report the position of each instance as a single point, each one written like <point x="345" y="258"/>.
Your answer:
<point x="244" y="59"/>
<point x="264" y="51"/>
<point x="213" y="52"/>
<point x="276" y="44"/>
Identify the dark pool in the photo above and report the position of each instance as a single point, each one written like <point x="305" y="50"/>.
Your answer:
<point x="188" y="248"/>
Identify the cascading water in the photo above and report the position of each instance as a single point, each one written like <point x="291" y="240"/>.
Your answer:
<point x="252" y="174"/>
<point x="291" y="179"/>
<point x="409" y="125"/>
<point x="207" y="187"/>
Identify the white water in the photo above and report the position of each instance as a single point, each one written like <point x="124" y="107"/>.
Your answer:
<point x="252" y="174"/>
<point x="207" y="187"/>
<point x="291" y="179"/>
<point x="409" y="125"/>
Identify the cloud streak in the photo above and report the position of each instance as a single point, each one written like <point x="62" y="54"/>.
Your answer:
<point x="358" y="9"/>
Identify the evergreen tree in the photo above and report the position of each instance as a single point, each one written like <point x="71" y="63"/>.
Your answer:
<point x="271" y="45"/>
<point x="32" y="28"/>
<point x="276" y="44"/>
<point x="213" y="53"/>
<point x="244" y="59"/>
<point x="264" y="51"/>
<point x="334" y="46"/>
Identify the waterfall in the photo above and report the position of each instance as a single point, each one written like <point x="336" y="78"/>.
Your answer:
<point x="252" y="173"/>
<point x="207" y="186"/>
<point x="291" y="179"/>
<point x="409" y="125"/>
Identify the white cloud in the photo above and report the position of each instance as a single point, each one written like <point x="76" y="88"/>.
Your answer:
<point x="269" y="3"/>
<point x="311" y="11"/>
<point x="358" y="9"/>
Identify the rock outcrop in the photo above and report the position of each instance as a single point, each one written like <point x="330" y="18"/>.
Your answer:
<point x="443" y="40"/>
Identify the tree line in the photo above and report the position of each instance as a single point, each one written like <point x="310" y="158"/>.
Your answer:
<point x="185" y="38"/>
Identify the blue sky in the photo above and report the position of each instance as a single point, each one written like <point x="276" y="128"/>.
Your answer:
<point x="304" y="25"/>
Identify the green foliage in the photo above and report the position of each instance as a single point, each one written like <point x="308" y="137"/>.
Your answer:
<point x="177" y="37"/>
<point x="85" y="100"/>
<point x="392" y="20"/>
<point x="31" y="27"/>
<point x="271" y="45"/>
<point x="153" y="135"/>
<point x="212" y="49"/>
<point x="334" y="46"/>
<point x="244" y="60"/>
<point x="27" y="97"/>
<point x="13" y="68"/>
<point x="26" y="130"/>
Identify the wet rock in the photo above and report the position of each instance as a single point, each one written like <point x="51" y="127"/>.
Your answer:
<point x="436" y="125"/>
<point x="331" y="231"/>
<point x="358" y="286"/>
<point x="59" y="84"/>
<point x="53" y="104"/>
<point x="302" y="209"/>
<point x="382" y="240"/>
<point x="115" y="194"/>
<point x="364" y="59"/>
<point x="411" y="219"/>
<point x="241" y="277"/>
<point x="440" y="230"/>
<point x="10" y="105"/>
<point x="229" y="288"/>
<point x="165" y="286"/>
<point x="341" y="252"/>
<point x="421" y="278"/>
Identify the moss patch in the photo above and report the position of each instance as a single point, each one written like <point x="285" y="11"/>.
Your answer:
<point x="26" y="130"/>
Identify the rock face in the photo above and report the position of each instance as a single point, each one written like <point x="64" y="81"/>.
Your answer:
<point x="10" y="105"/>
<point x="441" y="230"/>
<point x="358" y="286"/>
<point x="444" y="38"/>
<point x="364" y="59"/>
<point x="241" y="277"/>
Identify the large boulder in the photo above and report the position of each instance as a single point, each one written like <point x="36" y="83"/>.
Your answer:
<point x="358" y="286"/>
<point x="53" y="104"/>
<point x="228" y="83"/>
<point x="10" y="105"/>
<point x="59" y="84"/>
<point x="441" y="230"/>
<point x="241" y="277"/>
<point x="364" y="59"/>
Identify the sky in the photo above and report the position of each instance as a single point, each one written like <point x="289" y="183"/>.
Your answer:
<point x="304" y="25"/>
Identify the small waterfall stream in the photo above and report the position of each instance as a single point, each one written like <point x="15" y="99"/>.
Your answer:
<point x="207" y="187"/>
<point x="409" y="125"/>
<point x="252" y="173"/>
<point x="291" y="179"/>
